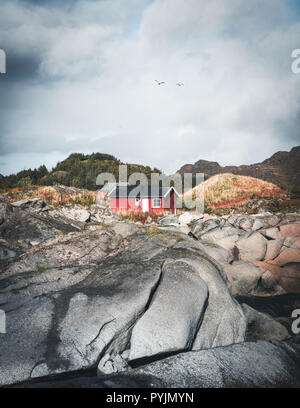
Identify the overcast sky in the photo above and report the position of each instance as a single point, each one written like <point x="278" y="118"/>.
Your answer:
<point x="81" y="78"/>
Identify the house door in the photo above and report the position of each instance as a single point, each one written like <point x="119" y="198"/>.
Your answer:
<point x="145" y="205"/>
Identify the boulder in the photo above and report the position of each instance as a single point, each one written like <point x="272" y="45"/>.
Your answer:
<point x="290" y="229"/>
<point x="263" y="327"/>
<point x="187" y="217"/>
<point x="168" y="220"/>
<point x="265" y="221"/>
<point x="22" y="225"/>
<point x="272" y="233"/>
<point x="202" y="226"/>
<point x="178" y="321"/>
<point x="287" y="256"/>
<point x="35" y="204"/>
<point x="73" y="302"/>
<point x="217" y="252"/>
<point x="273" y="248"/>
<point x="243" y="277"/>
<point x="252" y="247"/>
<point x="77" y="213"/>
<point x="252" y="364"/>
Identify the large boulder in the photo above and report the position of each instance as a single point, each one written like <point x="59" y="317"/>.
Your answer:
<point x="168" y="220"/>
<point x="273" y="248"/>
<point x="34" y="204"/>
<point x="252" y="247"/>
<point x="263" y="327"/>
<point x="187" y="217"/>
<point x="250" y="364"/>
<point x="77" y="213"/>
<point x="243" y="277"/>
<point x="73" y="303"/>
<point x="178" y="321"/>
<point x="257" y="364"/>
<point x="22" y="227"/>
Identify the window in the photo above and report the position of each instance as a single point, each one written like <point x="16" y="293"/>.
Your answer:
<point x="155" y="202"/>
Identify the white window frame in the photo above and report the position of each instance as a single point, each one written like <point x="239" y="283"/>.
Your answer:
<point x="153" y="202"/>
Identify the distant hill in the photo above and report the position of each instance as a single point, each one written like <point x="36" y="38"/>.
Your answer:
<point x="78" y="170"/>
<point x="282" y="169"/>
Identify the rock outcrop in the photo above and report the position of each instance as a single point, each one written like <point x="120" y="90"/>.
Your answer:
<point x="258" y="364"/>
<point x="84" y="291"/>
<point x="110" y="297"/>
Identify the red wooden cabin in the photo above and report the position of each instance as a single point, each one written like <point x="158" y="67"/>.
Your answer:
<point x="143" y="199"/>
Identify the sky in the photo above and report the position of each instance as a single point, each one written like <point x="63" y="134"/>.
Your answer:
<point x="80" y="77"/>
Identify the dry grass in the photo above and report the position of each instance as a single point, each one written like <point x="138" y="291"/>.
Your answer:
<point x="56" y="195"/>
<point x="229" y="191"/>
<point x="137" y="216"/>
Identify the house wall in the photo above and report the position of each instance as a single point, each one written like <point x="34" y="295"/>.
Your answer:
<point x="128" y="204"/>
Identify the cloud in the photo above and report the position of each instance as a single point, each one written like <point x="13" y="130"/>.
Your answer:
<point x="81" y="78"/>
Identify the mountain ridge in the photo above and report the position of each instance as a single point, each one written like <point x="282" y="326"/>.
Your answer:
<point x="282" y="169"/>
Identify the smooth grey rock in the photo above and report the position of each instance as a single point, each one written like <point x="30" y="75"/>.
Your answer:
<point x="36" y="203"/>
<point x="243" y="277"/>
<point x="75" y="298"/>
<point x="250" y="364"/>
<point x="217" y="235"/>
<point x="174" y="316"/>
<point x="265" y="221"/>
<point x="272" y="233"/>
<point x="202" y="226"/>
<point x="187" y="217"/>
<point x="252" y="247"/>
<point x="273" y="248"/>
<point x="260" y="364"/>
<point x="168" y="220"/>
<point x="76" y="213"/>
<point x="217" y="252"/>
<point x="21" y="224"/>
<point x="263" y="327"/>
<point x="269" y="285"/>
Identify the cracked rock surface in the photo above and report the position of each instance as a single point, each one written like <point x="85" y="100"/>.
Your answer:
<point x="111" y="296"/>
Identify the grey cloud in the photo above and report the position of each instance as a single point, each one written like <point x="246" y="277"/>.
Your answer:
<point x="81" y="78"/>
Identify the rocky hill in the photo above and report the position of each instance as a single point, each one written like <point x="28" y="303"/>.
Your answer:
<point x="282" y="169"/>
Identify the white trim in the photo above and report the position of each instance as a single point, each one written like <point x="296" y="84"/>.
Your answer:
<point x="145" y="204"/>
<point x="171" y="188"/>
<point x="152" y="202"/>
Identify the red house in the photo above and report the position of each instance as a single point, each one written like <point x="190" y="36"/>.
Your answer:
<point x="143" y="199"/>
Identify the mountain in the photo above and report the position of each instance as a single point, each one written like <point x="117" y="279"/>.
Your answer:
<point x="77" y="170"/>
<point x="282" y="169"/>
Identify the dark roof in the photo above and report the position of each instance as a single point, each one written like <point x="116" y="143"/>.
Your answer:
<point x="140" y="192"/>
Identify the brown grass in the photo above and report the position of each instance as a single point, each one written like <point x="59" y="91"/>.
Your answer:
<point x="137" y="216"/>
<point x="56" y="196"/>
<point x="229" y="191"/>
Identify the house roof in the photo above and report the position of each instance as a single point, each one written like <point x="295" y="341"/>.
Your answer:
<point x="141" y="192"/>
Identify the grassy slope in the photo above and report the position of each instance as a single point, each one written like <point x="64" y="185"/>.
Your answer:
<point x="229" y="190"/>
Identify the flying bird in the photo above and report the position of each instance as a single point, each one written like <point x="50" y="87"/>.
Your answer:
<point x="160" y="82"/>
<point x="180" y="84"/>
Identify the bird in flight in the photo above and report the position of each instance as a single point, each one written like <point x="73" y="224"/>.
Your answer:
<point x="180" y="84"/>
<point x="159" y="82"/>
